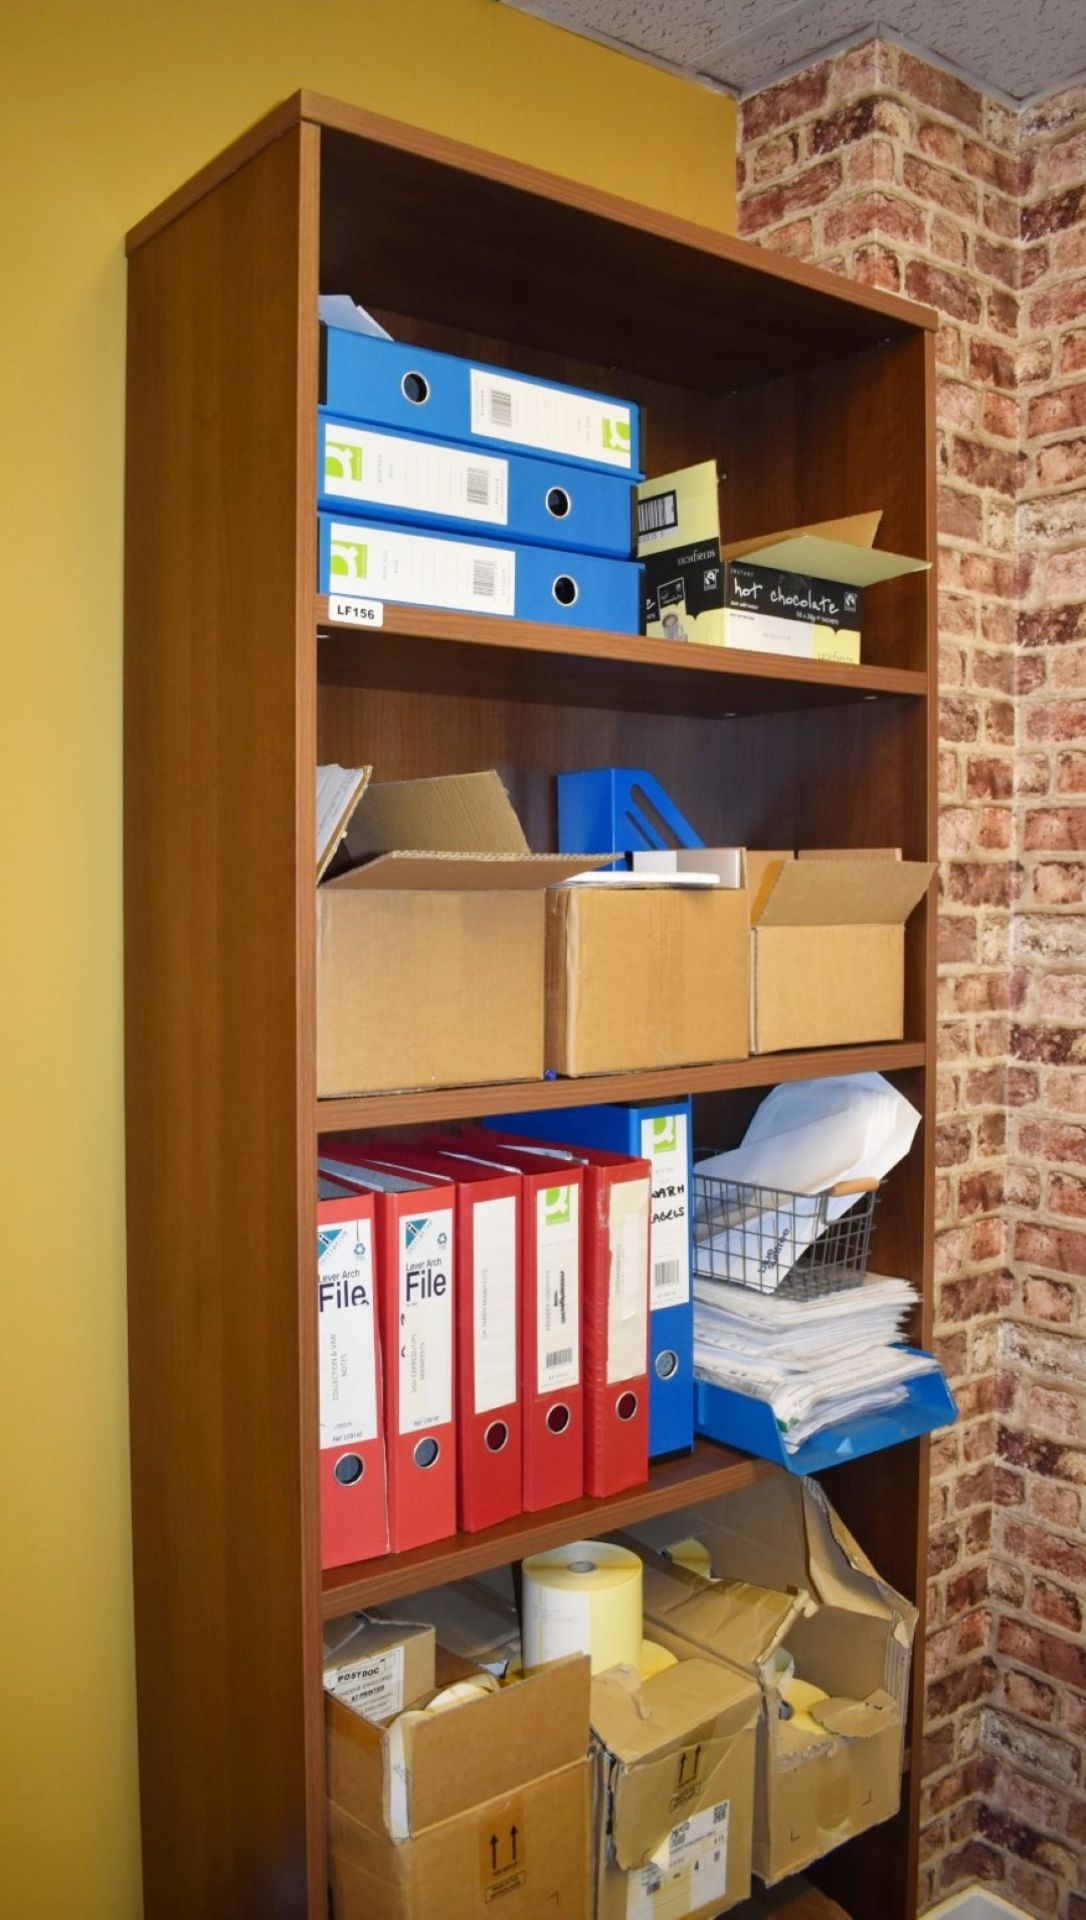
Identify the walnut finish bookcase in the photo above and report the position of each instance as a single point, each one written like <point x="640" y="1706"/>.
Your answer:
<point x="816" y="400"/>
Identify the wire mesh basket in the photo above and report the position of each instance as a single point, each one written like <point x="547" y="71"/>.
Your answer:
<point x="768" y="1240"/>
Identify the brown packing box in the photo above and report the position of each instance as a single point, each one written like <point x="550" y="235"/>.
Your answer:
<point x="430" y="932"/>
<point x="645" y="976"/>
<point x="378" y="1665"/>
<point x="675" y="1772"/>
<point x="828" y="948"/>
<point x="514" y="1759"/>
<point x="792" y="1576"/>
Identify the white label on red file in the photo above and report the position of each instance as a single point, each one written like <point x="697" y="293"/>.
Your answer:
<point x="664" y="1146"/>
<point x="628" y="1283"/>
<point x="346" y="1333"/>
<point x="494" y="1254"/>
<point x="696" y="1873"/>
<point x="394" y="471"/>
<point x="558" y="1288"/>
<point x="372" y="1687"/>
<point x="552" y="419"/>
<point x="419" y="569"/>
<point x="426" y="1320"/>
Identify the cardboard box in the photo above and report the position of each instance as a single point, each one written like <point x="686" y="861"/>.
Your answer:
<point x="645" y="977"/>
<point x="674" y="1808"/>
<point x="497" y="1800"/>
<point x="828" y="948"/>
<point x="430" y="940"/>
<point x="378" y="1666"/>
<point x="787" y="1573"/>
<point x="769" y="610"/>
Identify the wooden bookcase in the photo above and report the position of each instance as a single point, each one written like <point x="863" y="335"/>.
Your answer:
<point x="816" y="399"/>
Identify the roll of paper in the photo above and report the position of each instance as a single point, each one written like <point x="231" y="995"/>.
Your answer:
<point x="463" y="1693"/>
<point x="801" y="1696"/>
<point x="654" y="1659"/>
<point x="584" y="1598"/>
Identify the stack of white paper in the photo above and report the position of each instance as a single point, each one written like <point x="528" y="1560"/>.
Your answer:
<point x="804" y="1139"/>
<point x="816" y="1362"/>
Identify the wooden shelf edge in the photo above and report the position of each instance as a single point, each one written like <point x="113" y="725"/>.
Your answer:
<point x="707" y="1471"/>
<point x="587" y="643"/>
<point x="361" y="1111"/>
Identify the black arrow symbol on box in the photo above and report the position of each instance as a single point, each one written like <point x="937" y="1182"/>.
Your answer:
<point x="513" y="1838"/>
<point x="493" y="1853"/>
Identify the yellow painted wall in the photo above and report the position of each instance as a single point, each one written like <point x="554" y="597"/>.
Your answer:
<point x="108" y="107"/>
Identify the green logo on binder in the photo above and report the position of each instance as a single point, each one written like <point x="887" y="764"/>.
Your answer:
<point x="556" y="1206"/>
<point x="616" y="435"/>
<point x="663" y="1134"/>
<point x="342" y="461"/>
<point x="349" y="558"/>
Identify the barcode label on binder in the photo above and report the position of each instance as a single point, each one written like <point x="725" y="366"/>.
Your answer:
<point x="482" y="579"/>
<point x="666" y="1276"/>
<point x="576" y="426"/>
<point x="501" y="408"/>
<point x="558" y="1288"/>
<point x="657" y="515"/>
<point x="412" y="477"/>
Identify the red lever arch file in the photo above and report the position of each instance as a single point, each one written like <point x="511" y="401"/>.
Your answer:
<point x="353" y="1492"/>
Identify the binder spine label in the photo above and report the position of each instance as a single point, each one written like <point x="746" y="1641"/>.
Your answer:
<point x="420" y="570"/>
<point x="628" y="1283"/>
<point x="558" y="1287"/>
<point x="551" y="419"/>
<point x="494" y="1281"/>
<point x="664" y="1146"/>
<point x="348" y="1386"/>
<point x="426" y="1320"/>
<point x="383" y="468"/>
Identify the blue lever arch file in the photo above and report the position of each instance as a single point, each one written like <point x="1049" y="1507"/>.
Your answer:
<point x="436" y="485"/>
<point x="415" y="390"/>
<point x="374" y="561"/>
<point x="662" y="1135"/>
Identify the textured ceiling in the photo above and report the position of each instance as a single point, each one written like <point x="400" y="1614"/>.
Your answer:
<point x="1016" y="49"/>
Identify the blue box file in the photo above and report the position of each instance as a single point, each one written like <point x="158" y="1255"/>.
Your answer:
<point x="490" y="495"/>
<point x="671" y="1327"/>
<point x="738" y="1420"/>
<point x="374" y="560"/>
<point x="437" y="394"/>
<point x="618" y="810"/>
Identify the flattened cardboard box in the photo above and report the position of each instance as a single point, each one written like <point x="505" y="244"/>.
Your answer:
<point x="792" y="1576"/>
<point x="828" y="949"/>
<point x="645" y="977"/>
<point x="523" y="1856"/>
<point x="674" y="1808"/>
<point x="430" y="940"/>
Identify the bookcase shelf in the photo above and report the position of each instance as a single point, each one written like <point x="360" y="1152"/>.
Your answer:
<point x="708" y="1471"/>
<point x="816" y="400"/>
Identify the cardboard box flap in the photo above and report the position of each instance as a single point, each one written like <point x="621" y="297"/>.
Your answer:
<point x="838" y="550"/>
<point x="835" y="893"/>
<point x="748" y="1620"/>
<point x="492" y="1747"/>
<point x="339" y="790"/>
<point x="637" y="1718"/>
<point x="856" y="1719"/>
<point x="454" y="813"/>
<point x="415" y="871"/>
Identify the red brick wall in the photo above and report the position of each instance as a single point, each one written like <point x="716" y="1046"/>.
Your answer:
<point x="902" y="176"/>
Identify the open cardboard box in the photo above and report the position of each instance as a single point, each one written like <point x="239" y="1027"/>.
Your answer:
<point x="791" y="1575"/>
<point x="497" y="1797"/>
<point x="674" y="1807"/>
<point x="430" y="934"/>
<point x="827" y="963"/>
<point x="800" y="591"/>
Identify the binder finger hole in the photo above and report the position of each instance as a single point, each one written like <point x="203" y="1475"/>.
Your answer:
<point x="565" y="590"/>
<point x="667" y="1364"/>
<point x="626" y="1406"/>
<point x="348" y="1469"/>
<point x="426" y="1453"/>
<point x="416" y="388"/>
<point x="558" y="1419"/>
<point x="558" y="502"/>
<point x="496" y="1436"/>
